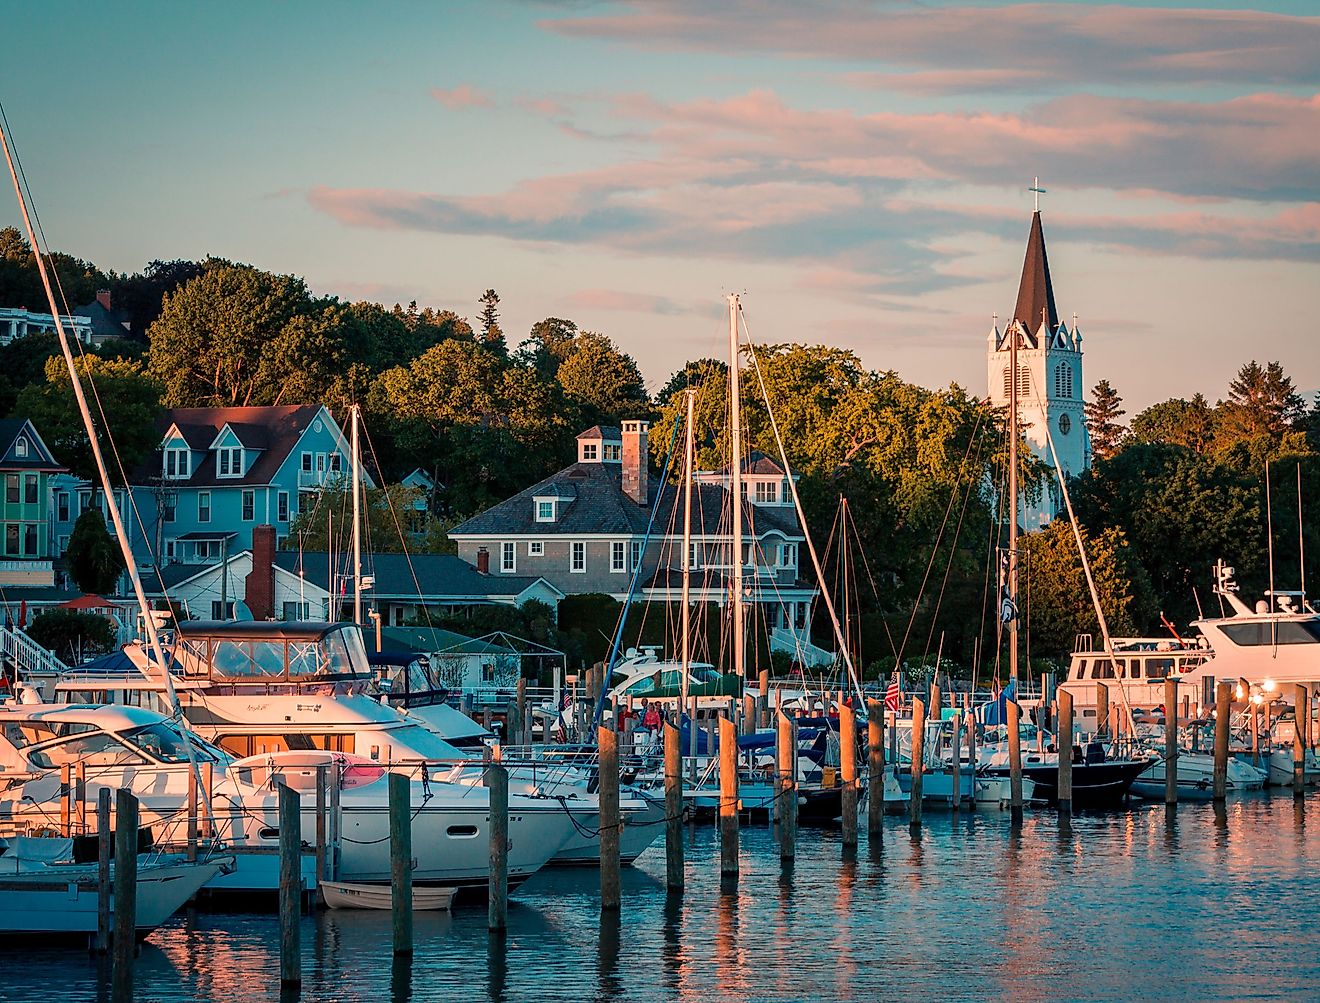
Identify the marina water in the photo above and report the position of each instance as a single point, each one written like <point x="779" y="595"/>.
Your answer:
<point x="1140" y="903"/>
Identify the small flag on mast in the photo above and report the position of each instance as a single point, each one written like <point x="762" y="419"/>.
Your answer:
<point x="1008" y="610"/>
<point x="894" y="694"/>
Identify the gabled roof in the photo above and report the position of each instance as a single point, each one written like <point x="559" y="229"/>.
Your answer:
<point x="106" y="323"/>
<point x="601" y="508"/>
<point x="279" y="428"/>
<point x="609" y="432"/>
<point x="1036" y="291"/>
<point x="435" y="639"/>
<point x="38" y="455"/>
<point x="755" y="462"/>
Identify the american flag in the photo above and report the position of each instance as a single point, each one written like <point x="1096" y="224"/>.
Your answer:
<point x="894" y="695"/>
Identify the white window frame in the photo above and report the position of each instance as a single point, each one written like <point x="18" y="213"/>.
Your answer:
<point x="611" y="452"/>
<point x="229" y="461"/>
<point x="21" y="446"/>
<point x="767" y="492"/>
<point x="577" y="557"/>
<point x="282" y="510"/>
<point x="203" y="508"/>
<point x="171" y="547"/>
<point x="635" y="553"/>
<point x="788" y="555"/>
<point x="542" y="516"/>
<point x="694" y="556"/>
<point x="508" y="557"/>
<point x="62" y="506"/>
<point x="248" y="493"/>
<point x="590" y="451"/>
<point x="618" y="557"/>
<point x="535" y="548"/>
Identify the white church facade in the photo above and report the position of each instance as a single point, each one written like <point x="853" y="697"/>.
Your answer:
<point x="1049" y="378"/>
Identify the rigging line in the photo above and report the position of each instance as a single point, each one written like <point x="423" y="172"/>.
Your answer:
<point x="635" y="578"/>
<point x="801" y="514"/>
<point x="934" y="551"/>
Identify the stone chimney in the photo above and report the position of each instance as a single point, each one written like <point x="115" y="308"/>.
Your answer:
<point x="483" y="560"/>
<point x="636" y="481"/>
<point x="103" y="297"/>
<point x="260" y="585"/>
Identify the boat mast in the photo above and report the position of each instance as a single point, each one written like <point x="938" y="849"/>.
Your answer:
<point x="735" y="468"/>
<point x="1012" y="503"/>
<point x="687" y="554"/>
<point x="357" y="520"/>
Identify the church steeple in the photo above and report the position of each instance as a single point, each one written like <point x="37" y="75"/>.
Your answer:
<point x="1035" y="299"/>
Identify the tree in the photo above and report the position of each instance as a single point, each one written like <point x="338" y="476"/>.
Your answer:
<point x="386" y="524"/>
<point x="1177" y="422"/>
<point x="20" y="280"/>
<point x="1261" y="402"/>
<point x="141" y="295"/>
<point x="492" y="336"/>
<point x="124" y="406"/>
<point x="606" y="382"/>
<point x="94" y="558"/>
<point x="1102" y="413"/>
<point x="550" y="342"/>
<point x="694" y="374"/>
<point x="1054" y="594"/>
<point x="72" y="634"/>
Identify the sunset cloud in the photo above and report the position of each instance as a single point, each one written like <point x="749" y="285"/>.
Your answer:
<point x="462" y="96"/>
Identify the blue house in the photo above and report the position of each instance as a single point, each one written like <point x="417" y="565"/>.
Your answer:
<point x="217" y="474"/>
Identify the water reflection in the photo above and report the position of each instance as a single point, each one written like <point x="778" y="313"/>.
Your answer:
<point x="607" y="956"/>
<point x="672" y="950"/>
<point x="497" y="965"/>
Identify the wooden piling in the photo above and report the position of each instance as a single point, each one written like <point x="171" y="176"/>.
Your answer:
<point x="1101" y="708"/>
<point x="728" y="799"/>
<point x="1014" y="762"/>
<point x="749" y="715"/>
<point x="322" y="829"/>
<point x="971" y="734"/>
<point x="1171" y="740"/>
<point x="1254" y="709"/>
<point x="607" y="793"/>
<point x="208" y="785"/>
<point x="335" y="820"/>
<point x="80" y="797"/>
<point x="692" y="736"/>
<point x="66" y="800"/>
<point x="918" y="760"/>
<point x="955" y="747"/>
<point x="103" y="845"/>
<point x="125" y="908"/>
<point x="763" y="717"/>
<point x="786" y="803"/>
<point x="192" y="813"/>
<point x="497" y="907"/>
<point x="673" y="809"/>
<point x="290" y="886"/>
<point x="1223" y="700"/>
<point x="1063" y="741"/>
<point x="1299" y="742"/>
<point x="875" y="770"/>
<point x="848" y="771"/>
<point x="936" y="711"/>
<point x="401" y="896"/>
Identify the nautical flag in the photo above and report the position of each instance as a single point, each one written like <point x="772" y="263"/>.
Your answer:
<point x="1008" y="610"/>
<point x="894" y="694"/>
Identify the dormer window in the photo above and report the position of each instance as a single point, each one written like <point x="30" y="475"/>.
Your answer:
<point x="229" y="461"/>
<point x="611" y="452"/>
<point x="21" y="446"/>
<point x="767" y="492"/>
<point x="590" y="451"/>
<point x="545" y="509"/>
<point x="177" y="463"/>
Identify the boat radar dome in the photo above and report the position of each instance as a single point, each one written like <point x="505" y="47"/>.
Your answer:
<point x="1262" y="606"/>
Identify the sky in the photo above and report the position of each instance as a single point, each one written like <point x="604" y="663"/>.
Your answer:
<point x="856" y="169"/>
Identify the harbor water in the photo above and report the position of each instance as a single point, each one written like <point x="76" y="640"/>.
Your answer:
<point x="1144" y="903"/>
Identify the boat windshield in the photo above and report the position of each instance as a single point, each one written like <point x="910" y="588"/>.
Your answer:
<point x="164" y="743"/>
<point x="338" y="653"/>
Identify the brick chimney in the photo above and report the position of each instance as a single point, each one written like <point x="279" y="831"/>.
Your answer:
<point x="260" y="584"/>
<point x="483" y="560"/>
<point x="103" y="297"/>
<point x="636" y="481"/>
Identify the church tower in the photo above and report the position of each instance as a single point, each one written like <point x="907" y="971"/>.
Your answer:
<point x="1049" y="379"/>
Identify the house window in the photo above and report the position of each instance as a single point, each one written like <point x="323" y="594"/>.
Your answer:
<point x="11" y="489"/>
<point x="30" y="489"/>
<point x="788" y="555"/>
<point x="230" y="461"/>
<point x="636" y="555"/>
<point x="20" y="446"/>
<point x="577" y="559"/>
<point x="590" y="451"/>
<point x="11" y="539"/>
<point x="767" y="492"/>
<point x="536" y="548"/>
<point x="297" y="611"/>
<point x="178" y="463"/>
<point x="611" y="451"/>
<point x="203" y="506"/>
<point x="249" y="505"/>
<point x="336" y="462"/>
<point x="617" y="552"/>
<point x="545" y="510"/>
<point x="508" y="557"/>
<point x="1023" y="381"/>
<point x="61" y="506"/>
<point x="168" y="504"/>
<point x="30" y="539"/>
<point x="694" y="556"/>
<point x="171" y="548"/>
<point x="282" y="506"/>
<point x="84" y="501"/>
<point x="307" y="463"/>
<point x="62" y="545"/>
<point x="222" y="611"/>
<point x="207" y="550"/>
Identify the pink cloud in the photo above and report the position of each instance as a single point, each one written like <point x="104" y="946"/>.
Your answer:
<point x="966" y="47"/>
<point x="462" y="96"/>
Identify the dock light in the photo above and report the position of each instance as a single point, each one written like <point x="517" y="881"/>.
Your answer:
<point x="1237" y="693"/>
<point x="1269" y="685"/>
<point x="1257" y="699"/>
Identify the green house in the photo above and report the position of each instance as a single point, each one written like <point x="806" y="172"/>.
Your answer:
<point x="26" y="466"/>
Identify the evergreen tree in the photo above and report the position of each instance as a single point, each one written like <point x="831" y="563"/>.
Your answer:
<point x="1262" y="401"/>
<point x="492" y="335"/>
<point x="94" y="558"/>
<point x="1102" y="413"/>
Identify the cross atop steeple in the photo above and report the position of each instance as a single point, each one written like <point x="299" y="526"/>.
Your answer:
<point x="1038" y="190"/>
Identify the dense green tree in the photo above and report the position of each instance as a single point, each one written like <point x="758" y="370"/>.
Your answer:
<point x="93" y="556"/>
<point x="605" y="382"/>
<point x="1261" y="402"/>
<point x="20" y="280"/>
<point x="1190" y="424"/>
<point x="1103" y="412"/>
<point x="394" y="519"/>
<point x="141" y="295"/>
<point x="71" y="634"/>
<point x="550" y="342"/>
<point x="124" y="402"/>
<point x="693" y="375"/>
<point x="492" y="335"/>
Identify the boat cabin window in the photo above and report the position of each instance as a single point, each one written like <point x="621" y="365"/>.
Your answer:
<point x="247" y="658"/>
<point x="1278" y="632"/>
<point x="1101" y="668"/>
<point x="242" y="746"/>
<point x="96" y="749"/>
<point x="1159" y="668"/>
<point x="1133" y="668"/>
<point x="25" y="733"/>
